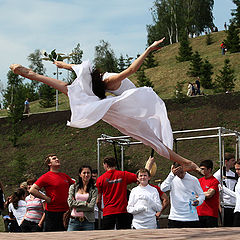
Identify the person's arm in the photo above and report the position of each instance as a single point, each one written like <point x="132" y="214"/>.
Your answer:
<point x="132" y="207"/>
<point x="35" y="191"/>
<point x="61" y="64"/>
<point x="155" y="202"/>
<point x="166" y="184"/>
<point x="165" y="202"/>
<point x="200" y="194"/>
<point x="99" y="201"/>
<point x="209" y="193"/>
<point x="40" y="224"/>
<point x="85" y="206"/>
<point x="114" y="80"/>
<point x="149" y="163"/>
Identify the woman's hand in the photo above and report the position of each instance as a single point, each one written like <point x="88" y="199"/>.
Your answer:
<point x="155" y="45"/>
<point x="59" y="64"/>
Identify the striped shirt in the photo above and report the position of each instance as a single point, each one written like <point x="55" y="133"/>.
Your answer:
<point x="34" y="209"/>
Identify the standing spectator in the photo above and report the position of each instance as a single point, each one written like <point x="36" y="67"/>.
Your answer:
<point x="112" y="185"/>
<point x="144" y="202"/>
<point x="236" y="221"/>
<point x="229" y="181"/>
<point x="26" y="106"/>
<point x="164" y="200"/>
<point x="17" y="208"/>
<point x="183" y="188"/>
<point x="56" y="185"/>
<point x="97" y="212"/>
<point x="190" y="89"/>
<point x="2" y="201"/>
<point x="2" y="198"/>
<point x="208" y="211"/>
<point x="81" y="200"/>
<point x="225" y="26"/>
<point x="198" y="91"/>
<point x="223" y="47"/>
<point x="34" y="217"/>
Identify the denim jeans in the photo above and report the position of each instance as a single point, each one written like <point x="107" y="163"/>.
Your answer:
<point x="76" y="225"/>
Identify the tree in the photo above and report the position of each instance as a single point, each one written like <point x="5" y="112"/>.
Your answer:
<point x="37" y="66"/>
<point x="121" y="63"/>
<point x="232" y="42"/>
<point x="209" y="39"/>
<point x="185" y="50"/>
<point x="47" y="94"/>
<point x="105" y="59"/>
<point x="76" y="58"/>
<point x="142" y="80"/>
<point x="206" y="75"/>
<point x="14" y="97"/>
<point x="149" y="61"/>
<point x="225" y="80"/>
<point x="236" y="13"/>
<point x="195" y="65"/>
<point x="171" y="17"/>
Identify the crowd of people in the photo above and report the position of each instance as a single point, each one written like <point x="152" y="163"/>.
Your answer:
<point x="56" y="202"/>
<point x="193" y="89"/>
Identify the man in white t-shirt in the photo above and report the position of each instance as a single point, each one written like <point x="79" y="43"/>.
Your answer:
<point x="144" y="202"/>
<point x="185" y="194"/>
<point x="229" y="181"/>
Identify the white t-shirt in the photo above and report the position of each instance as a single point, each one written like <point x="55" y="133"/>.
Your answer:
<point x="180" y="195"/>
<point x="229" y="202"/>
<point x="143" y="203"/>
<point x="19" y="212"/>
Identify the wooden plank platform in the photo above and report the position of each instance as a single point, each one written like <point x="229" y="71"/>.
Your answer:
<point x="182" y="233"/>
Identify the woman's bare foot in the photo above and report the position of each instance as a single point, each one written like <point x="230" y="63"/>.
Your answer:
<point x="191" y="166"/>
<point x="20" y="70"/>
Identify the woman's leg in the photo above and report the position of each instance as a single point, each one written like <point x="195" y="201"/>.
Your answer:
<point x="185" y="163"/>
<point x="28" y="73"/>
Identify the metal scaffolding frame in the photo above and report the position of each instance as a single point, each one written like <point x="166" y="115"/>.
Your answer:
<point x="220" y="133"/>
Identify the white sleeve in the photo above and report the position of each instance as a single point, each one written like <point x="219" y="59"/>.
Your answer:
<point x="217" y="175"/>
<point x="166" y="185"/>
<point x="199" y="192"/>
<point x="155" y="202"/>
<point x="229" y="192"/>
<point x="131" y="207"/>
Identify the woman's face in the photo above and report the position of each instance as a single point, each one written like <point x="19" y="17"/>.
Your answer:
<point x="85" y="174"/>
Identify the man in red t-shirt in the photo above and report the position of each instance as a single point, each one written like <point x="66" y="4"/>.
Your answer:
<point x="112" y="185"/>
<point x="56" y="185"/>
<point x="208" y="211"/>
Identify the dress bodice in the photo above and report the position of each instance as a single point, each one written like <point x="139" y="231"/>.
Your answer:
<point x="126" y="84"/>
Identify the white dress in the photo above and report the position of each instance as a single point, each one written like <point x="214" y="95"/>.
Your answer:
<point x="137" y="112"/>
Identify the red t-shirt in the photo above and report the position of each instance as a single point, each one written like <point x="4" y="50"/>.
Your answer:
<point x="158" y="189"/>
<point x="210" y="205"/>
<point x="113" y="185"/>
<point x="56" y="186"/>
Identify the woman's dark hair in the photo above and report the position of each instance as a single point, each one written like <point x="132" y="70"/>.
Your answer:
<point x="17" y="195"/>
<point x="80" y="182"/>
<point x="98" y="86"/>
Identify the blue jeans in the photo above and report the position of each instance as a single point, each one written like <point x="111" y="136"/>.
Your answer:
<point x="76" y="225"/>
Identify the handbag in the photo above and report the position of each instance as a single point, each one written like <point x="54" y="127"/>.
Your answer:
<point x="66" y="217"/>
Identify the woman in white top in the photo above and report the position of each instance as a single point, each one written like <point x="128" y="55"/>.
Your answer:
<point x="81" y="200"/>
<point x="137" y="112"/>
<point x="17" y="206"/>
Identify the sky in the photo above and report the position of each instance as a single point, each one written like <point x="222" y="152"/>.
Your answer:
<point x="62" y="24"/>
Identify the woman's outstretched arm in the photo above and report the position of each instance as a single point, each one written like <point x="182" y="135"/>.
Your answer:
<point x="61" y="64"/>
<point x="113" y="82"/>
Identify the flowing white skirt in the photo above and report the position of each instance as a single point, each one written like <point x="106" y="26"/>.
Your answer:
<point x="137" y="112"/>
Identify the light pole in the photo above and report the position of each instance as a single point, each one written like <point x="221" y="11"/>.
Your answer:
<point x="57" y="73"/>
